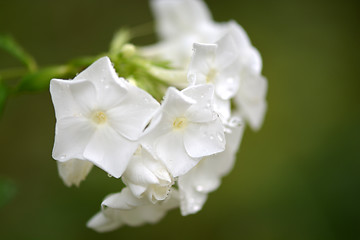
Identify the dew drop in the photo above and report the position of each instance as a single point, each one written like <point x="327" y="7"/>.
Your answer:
<point x="230" y="80"/>
<point x="196" y="207"/>
<point x="109" y="175"/>
<point x="106" y="86"/>
<point x="234" y="122"/>
<point x="227" y="130"/>
<point x="199" y="188"/>
<point x="211" y="137"/>
<point x="62" y="157"/>
<point x="220" y="137"/>
<point x="192" y="78"/>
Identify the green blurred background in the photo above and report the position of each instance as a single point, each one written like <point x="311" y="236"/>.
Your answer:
<point x="297" y="178"/>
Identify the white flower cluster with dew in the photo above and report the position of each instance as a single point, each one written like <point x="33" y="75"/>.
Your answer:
<point x="170" y="153"/>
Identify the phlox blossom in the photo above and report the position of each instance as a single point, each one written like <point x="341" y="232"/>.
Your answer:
<point x="99" y="117"/>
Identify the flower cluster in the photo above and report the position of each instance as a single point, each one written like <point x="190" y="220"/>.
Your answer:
<point x="170" y="153"/>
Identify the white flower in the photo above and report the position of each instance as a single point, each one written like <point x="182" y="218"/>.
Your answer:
<point x="178" y="17"/>
<point x="125" y="209"/>
<point x="217" y="64"/>
<point x="73" y="171"/>
<point x="206" y="176"/>
<point x="147" y="176"/>
<point x="249" y="56"/>
<point x="185" y="129"/>
<point x="251" y="97"/>
<point x="179" y="24"/>
<point x="99" y="117"/>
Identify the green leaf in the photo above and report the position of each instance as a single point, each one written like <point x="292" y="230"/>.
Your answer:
<point x="7" y="191"/>
<point x="8" y="44"/>
<point x="40" y="80"/>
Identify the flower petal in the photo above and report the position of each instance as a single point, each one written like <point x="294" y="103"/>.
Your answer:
<point x="251" y="98"/>
<point x="227" y="82"/>
<point x="137" y="212"/>
<point x="176" y="103"/>
<point x="202" y="111"/>
<point x="123" y="200"/>
<point x="130" y="211"/>
<point x="138" y="173"/>
<point x="110" y="151"/>
<point x="204" y="139"/>
<point x="62" y="98"/>
<point x="110" y="89"/>
<point x="249" y="55"/>
<point x="171" y="151"/>
<point x="100" y="73"/>
<point x="142" y="215"/>
<point x="101" y="223"/>
<point x="226" y="52"/>
<point x="254" y="61"/>
<point x="205" y="176"/>
<point x="133" y="113"/>
<point x="191" y="201"/>
<point x="174" y="17"/>
<point x="222" y="108"/>
<point x="202" y="62"/>
<point x="111" y="93"/>
<point x="228" y="157"/>
<point x="74" y="171"/>
<point x="72" y="134"/>
<point x="241" y="38"/>
<point x="137" y="190"/>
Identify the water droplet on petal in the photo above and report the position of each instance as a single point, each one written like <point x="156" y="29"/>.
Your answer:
<point x="220" y="137"/>
<point x="199" y="188"/>
<point x="234" y="122"/>
<point x="192" y="78"/>
<point x="211" y="137"/>
<point x="227" y="130"/>
<point x="230" y="80"/>
<point x="195" y="206"/>
<point x="62" y="157"/>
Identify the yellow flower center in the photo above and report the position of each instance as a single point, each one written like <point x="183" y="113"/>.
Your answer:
<point x="179" y="123"/>
<point x="99" y="117"/>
